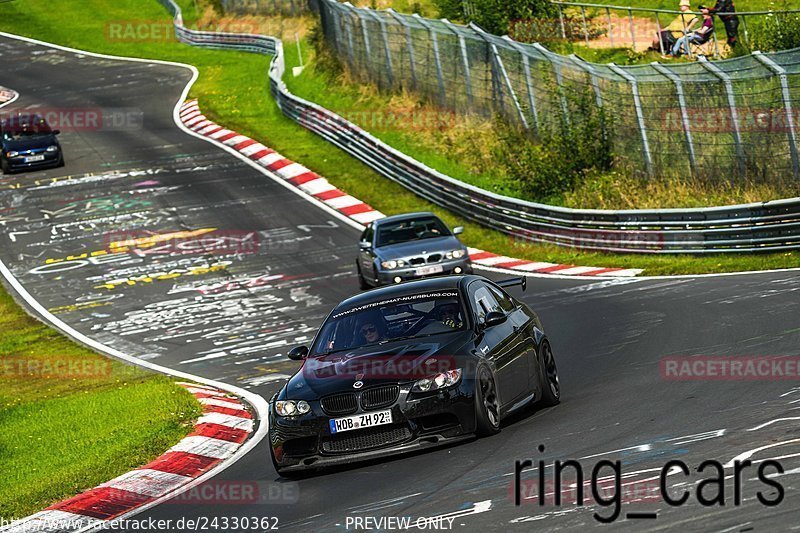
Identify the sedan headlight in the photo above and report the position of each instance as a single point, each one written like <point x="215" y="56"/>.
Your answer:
<point x="391" y="265"/>
<point x="52" y="148"/>
<point x="12" y="154"/>
<point x="455" y="254"/>
<point x="291" y="407"/>
<point x="439" y="381"/>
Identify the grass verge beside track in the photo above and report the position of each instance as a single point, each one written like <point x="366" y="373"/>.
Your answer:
<point x="71" y="419"/>
<point x="233" y="91"/>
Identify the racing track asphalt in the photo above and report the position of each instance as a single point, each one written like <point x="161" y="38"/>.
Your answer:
<point x="235" y="317"/>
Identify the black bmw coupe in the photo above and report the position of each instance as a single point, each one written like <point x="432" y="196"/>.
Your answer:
<point x="411" y="366"/>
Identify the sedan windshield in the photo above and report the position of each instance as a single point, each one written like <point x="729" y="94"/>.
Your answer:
<point x="15" y="129"/>
<point x="405" y="317"/>
<point x="411" y="230"/>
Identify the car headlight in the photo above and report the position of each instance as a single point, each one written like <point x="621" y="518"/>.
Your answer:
<point x="439" y="381"/>
<point x="391" y="265"/>
<point x="52" y="148"/>
<point x="12" y="154"/>
<point x="291" y="407"/>
<point x="455" y="254"/>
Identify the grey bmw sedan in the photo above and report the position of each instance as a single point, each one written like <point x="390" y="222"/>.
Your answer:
<point x="410" y="246"/>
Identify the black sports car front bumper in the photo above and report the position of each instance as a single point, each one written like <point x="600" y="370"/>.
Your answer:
<point x="419" y="421"/>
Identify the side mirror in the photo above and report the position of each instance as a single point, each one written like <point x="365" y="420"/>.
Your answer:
<point x="56" y="132"/>
<point x="458" y="230"/>
<point x="298" y="353"/>
<point x="494" y="318"/>
<point x="364" y="245"/>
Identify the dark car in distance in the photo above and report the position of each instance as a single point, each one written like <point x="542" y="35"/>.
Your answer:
<point x="27" y="142"/>
<point x="411" y="366"/>
<point x="410" y="246"/>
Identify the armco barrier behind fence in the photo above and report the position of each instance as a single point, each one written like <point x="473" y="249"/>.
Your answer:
<point x="768" y="226"/>
<point x="719" y="120"/>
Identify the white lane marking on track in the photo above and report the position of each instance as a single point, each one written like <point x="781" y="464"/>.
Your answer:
<point x="765" y="424"/>
<point x="749" y="453"/>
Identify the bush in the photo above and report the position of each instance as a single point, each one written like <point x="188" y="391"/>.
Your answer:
<point x="565" y="154"/>
<point x="495" y="16"/>
<point x="775" y="32"/>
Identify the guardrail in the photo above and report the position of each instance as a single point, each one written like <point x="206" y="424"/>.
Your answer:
<point x="769" y="226"/>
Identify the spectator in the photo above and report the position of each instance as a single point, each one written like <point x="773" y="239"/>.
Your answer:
<point x="669" y="35"/>
<point x="731" y="21"/>
<point x="701" y="36"/>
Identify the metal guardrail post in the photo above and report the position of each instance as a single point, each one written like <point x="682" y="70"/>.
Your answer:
<point x="585" y="26"/>
<point x="561" y="21"/>
<point x="687" y="130"/>
<point x="787" y="103"/>
<point x="386" y="49"/>
<point x="737" y="136"/>
<point x="660" y="41"/>
<point x="437" y="58"/>
<point x="633" y="31"/>
<point x="637" y="103"/>
<point x="526" y="65"/>
<point x="412" y="60"/>
<point x="462" y="43"/>
<point x="559" y="79"/>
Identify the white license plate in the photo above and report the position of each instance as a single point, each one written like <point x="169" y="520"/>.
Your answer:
<point x="366" y="420"/>
<point x="427" y="271"/>
<point x="34" y="158"/>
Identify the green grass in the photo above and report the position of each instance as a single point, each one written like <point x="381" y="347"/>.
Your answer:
<point x="232" y="90"/>
<point x="65" y="429"/>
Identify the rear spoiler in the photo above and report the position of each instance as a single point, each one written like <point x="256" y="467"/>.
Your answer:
<point x="513" y="282"/>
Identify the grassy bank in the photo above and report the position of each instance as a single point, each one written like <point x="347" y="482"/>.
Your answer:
<point x="232" y="90"/>
<point x="71" y="419"/>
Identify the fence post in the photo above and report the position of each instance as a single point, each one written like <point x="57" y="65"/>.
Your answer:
<point x="348" y="28"/>
<point x="559" y="79"/>
<point x="660" y="41"/>
<point x="610" y="27"/>
<point x="437" y="58"/>
<point x="585" y="26"/>
<point x="387" y="51"/>
<point x="633" y="31"/>
<point x="365" y="34"/>
<point x="637" y="103"/>
<point x="787" y="103"/>
<point x="561" y="21"/>
<point x="412" y="61"/>
<point x="464" y="60"/>
<point x="497" y="89"/>
<point x="526" y="64"/>
<point x="737" y="137"/>
<point x="687" y="131"/>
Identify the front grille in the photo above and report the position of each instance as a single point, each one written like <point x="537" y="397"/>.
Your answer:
<point x="339" y="404"/>
<point x="434" y="258"/>
<point x="417" y="261"/>
<point x="378" y="397"/>
<point x="365" y="439"/>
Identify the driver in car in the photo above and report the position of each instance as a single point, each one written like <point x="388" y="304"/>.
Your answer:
<point x="449" y="315"/>
<point x="370" y="332"/>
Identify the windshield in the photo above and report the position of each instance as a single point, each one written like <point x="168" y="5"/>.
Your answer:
<point x="406" y="317"/>
<point x="16" y="129"/>
<point x="411" y="230"/>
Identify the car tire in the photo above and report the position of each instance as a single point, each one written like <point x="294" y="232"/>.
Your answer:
<point x="487" y="404"/>
<point x="362" y="283"/>
<point x="551" y="387"/>
<point x="60" y="161"/>
<point x="4" y="166"/>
